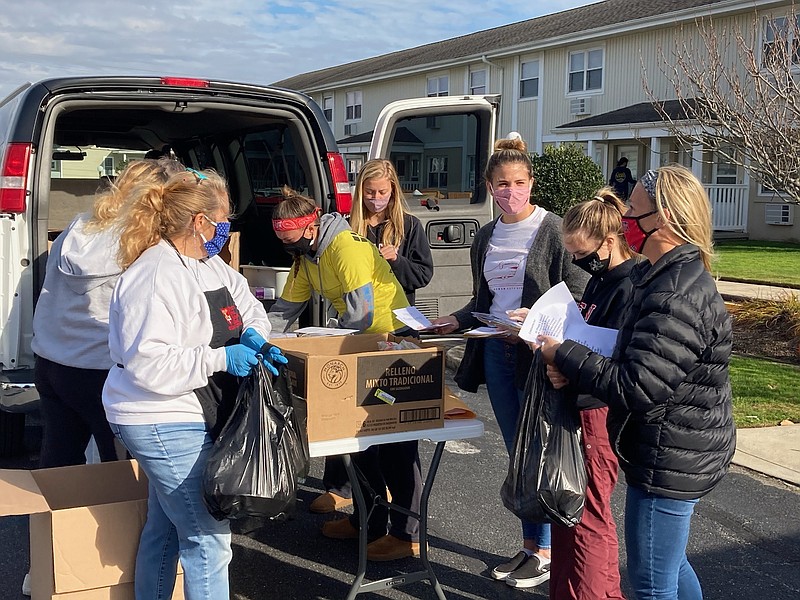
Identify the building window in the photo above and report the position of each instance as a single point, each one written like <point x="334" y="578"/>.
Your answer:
<point x="781" y="42"/>
<point x="438" y="86"/>
<point x="585" y="71"/>
<point x="437" y="172"/>
<point x="327" y="107"/>
<point x="471" y="171"/>
<point x="414" y="169"/>
<point x="55" y="168"/>
<point x="353" y="106"/>
<point x="354" y="165"/>
<point x="108" y="166"/>
<point x="477" y="82"/>
<point x="726" y="172"/>
<point x="529" y="80"/>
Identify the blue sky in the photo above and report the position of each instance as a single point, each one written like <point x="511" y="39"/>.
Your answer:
<point x="241" y="40"/>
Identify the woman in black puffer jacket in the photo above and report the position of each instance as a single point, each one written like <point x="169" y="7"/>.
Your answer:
<point x="667" y="384"/>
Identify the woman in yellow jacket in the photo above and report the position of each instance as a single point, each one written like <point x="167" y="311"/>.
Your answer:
<point x="348" y="271"/>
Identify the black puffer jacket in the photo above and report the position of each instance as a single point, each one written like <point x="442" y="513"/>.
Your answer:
<point x="667" y="385"/>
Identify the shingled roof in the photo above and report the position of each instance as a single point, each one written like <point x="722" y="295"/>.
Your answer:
<point x="643" y="112"/>
<point x="494" y="42"/>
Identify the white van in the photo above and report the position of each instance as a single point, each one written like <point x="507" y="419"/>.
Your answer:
<point x="60" y="138"/>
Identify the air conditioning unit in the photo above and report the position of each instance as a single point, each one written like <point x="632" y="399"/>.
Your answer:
<point x="779" y="214"/>
<point x="351" y="129"/>
<point x="580" y="106"/>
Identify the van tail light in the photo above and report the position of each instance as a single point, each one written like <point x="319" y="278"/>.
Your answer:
<point x="184" y="82"/>
<point x="14" y="177"/>
<point x="341" y="185"/>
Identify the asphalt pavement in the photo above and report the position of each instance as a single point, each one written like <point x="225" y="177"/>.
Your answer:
<point x="745" y="539"/>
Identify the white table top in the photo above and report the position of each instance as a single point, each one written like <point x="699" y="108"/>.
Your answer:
<point x="454" y="429"/>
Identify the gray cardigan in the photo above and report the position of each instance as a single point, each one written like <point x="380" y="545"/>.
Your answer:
<point x="548" y="264"/>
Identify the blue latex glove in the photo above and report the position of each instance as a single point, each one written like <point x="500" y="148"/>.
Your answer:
<point x="272" y="355"/>
<point x="240" y="360"/>
<point x="252" y="339"/>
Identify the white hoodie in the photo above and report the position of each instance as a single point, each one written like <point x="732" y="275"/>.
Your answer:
<point x="70" y="323"/>
<point x="159" y="331"/>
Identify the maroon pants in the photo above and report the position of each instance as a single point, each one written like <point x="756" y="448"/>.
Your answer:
<point x="585" y="559"/>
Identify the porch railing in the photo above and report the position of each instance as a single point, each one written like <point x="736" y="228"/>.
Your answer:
<point x="728" y="206"/>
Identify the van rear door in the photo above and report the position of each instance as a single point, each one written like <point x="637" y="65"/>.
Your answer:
<point x="440" y="147"/>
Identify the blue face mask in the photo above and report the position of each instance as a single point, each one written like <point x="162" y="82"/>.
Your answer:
<point x="221" y="233"/>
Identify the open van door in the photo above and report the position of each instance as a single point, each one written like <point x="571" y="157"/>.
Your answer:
<point x="440" y="147"/>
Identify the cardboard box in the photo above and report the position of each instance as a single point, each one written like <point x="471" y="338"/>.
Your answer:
<point x="85" y="523"/>
<point x="354" y="389"/>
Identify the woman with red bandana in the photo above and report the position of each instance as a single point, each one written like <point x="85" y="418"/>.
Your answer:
<point x="515" y="259"/>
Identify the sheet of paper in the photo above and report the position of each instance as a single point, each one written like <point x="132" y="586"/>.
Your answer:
<point x="485" y="332"/>
<point x="413" y="318"/>
<point x="494" y="320"/>
<point x="556" y="314"/>
<point x="320" y="331"/>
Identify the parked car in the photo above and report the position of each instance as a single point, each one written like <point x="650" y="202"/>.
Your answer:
<point x="260" y="138"/>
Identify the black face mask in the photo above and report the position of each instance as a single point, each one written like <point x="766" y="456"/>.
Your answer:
<point x="592" y="263"/>
<point x="299" y="248"/>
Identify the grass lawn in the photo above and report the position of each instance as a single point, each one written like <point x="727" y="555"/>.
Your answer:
<point x="764" y="392"/>
<point x="762" y="262"/>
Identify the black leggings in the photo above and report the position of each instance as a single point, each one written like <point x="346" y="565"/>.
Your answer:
<point x="72" y="412"/>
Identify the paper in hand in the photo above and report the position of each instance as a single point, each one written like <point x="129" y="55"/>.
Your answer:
<point x="555" y="314"/>
<point x="412" y="317"/>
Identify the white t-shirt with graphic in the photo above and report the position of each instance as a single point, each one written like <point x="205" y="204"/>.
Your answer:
<point x="504" y="267"/>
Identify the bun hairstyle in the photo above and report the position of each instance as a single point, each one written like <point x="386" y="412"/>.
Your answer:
<point x="293" y="205"/>
<point x="598" y="218"/>
<point x="164" y="210"/>
<point x="512" y="149"/>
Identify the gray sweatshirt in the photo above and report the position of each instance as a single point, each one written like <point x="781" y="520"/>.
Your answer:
<point x="70" y="323"/>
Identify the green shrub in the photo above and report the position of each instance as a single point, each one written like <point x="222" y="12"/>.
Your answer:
<point x="564" y="176"/>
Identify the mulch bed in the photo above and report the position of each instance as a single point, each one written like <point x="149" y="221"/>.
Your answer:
<point x="765" y="343"/>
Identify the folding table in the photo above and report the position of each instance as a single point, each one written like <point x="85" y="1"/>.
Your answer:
<point x="456" y="429"/>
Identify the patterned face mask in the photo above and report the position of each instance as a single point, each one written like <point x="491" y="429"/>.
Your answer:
<point x="221" y="233"/>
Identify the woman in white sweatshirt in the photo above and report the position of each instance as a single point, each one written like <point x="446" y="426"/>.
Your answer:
<point x="70" y="323"/>
<point x="183" y="326"/>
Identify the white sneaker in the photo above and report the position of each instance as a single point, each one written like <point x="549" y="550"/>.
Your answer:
<point x="26" y="585"/>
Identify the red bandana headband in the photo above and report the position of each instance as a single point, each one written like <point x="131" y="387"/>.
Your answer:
<point x="296" y="223"/>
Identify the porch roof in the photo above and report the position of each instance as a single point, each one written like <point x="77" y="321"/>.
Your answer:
<point x="402" y="135"/>
<point x="643" y="112"/>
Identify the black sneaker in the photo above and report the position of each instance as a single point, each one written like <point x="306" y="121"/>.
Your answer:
<point x="531" y="573"/>
<point x="504" y="570"/>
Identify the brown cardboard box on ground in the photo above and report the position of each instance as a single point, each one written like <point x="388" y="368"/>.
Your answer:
<point x="85" y="523"/>
<point x="354" y="389"/>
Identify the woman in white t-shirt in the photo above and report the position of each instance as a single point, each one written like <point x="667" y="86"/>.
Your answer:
<point x="515" y="259"/>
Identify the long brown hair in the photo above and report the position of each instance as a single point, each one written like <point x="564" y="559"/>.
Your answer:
<point x="394" y="231"/>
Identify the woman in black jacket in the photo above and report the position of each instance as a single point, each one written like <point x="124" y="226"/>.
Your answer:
<point x="667" y="384"/>
<point x="585" y="558"/>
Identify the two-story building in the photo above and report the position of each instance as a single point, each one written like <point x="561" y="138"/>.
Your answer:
<point x="575" y="76"/>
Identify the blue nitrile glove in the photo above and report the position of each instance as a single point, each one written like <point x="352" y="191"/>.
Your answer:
<point x="252" y="339"/>
<point x="240" y="360"/>
<point x="272" y="355"/>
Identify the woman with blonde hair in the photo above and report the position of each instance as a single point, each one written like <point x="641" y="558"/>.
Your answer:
<point x="183" y="327"/>
<point x="667" y="383"/>
<point x="379" y="214"/>
<point x="339" y="265"/>
<point x="515" y="259"/>
<point x="70" y="323"/>
<point x="585" y="559"/>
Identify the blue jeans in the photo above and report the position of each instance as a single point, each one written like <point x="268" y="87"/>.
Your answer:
<point x="178" y="525"/>
<point x="656" y="533"/>
<point x="500" y="366"/>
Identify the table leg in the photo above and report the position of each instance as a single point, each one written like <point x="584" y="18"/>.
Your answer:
<point x="363" y="514"/>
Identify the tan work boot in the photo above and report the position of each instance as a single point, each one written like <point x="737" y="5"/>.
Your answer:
<point x="391" y="548"/>
<point x="340" y="529"/>
<point x="328" y="502"/>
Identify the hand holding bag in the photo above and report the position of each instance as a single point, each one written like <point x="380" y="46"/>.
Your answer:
<point x="253" y="468"/>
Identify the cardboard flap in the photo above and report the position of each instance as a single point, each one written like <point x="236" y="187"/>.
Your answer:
<point x="84" y="485"/>
<point x="19" y="494"/>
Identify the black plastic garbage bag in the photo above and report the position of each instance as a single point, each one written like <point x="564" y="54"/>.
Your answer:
<point x="546" y="478"/>
<point x="253" y="468"/>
